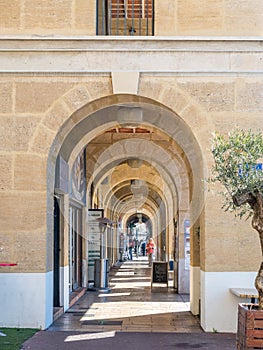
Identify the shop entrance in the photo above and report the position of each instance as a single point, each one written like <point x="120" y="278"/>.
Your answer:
<point x="75" y="248"/>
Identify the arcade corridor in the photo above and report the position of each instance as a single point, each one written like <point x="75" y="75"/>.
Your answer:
<point x="130" y="305"/>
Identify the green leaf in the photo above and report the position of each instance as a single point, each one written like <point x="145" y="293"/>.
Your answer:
<point x="237" y="156"/>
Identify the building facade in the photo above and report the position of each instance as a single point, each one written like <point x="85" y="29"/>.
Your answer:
<point x="108" y="107"/>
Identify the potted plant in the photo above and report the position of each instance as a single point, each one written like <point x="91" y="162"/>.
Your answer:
<point x="238" y="160"/>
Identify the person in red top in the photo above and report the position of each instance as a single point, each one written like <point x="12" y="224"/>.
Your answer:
<point x="150" y="251"/>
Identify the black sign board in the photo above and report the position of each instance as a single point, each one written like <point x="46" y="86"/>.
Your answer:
<point x="160" y="272"/>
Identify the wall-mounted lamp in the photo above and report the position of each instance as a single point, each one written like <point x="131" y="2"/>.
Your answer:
<point x="129" y="116"/>
<point x="134" y="163"/>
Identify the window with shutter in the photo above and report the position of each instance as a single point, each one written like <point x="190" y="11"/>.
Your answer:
<point x="125" y="17"/>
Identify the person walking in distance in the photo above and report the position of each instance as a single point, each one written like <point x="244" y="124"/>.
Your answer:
<point x="121" y="246"/>
<point x="150" y="251"/>
<point x="131" y="246"/>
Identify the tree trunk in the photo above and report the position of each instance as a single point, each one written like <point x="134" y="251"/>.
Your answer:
<point x="257" y="224"/>
<point x="259" y="286"/>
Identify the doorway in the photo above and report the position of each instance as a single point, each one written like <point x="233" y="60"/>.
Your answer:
<point x="56" y="252"/>
<point x="75" y="248"/>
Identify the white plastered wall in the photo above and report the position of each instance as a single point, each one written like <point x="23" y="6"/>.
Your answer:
<point x="64" y="287"/>
<point x="28" y="290"/>
<point x="218" y="305"/>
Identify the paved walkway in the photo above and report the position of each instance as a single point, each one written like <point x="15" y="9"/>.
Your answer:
<point x="130" y="316"/>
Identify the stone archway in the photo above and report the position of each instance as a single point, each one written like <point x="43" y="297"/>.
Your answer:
<point x="89" y="121"/>
<point x="82" y="127"/>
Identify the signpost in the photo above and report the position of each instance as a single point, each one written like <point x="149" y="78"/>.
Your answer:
<point x="160" y="272"/>
<point x="94" y="244"/>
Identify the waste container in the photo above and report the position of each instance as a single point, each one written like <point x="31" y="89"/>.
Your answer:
<point x="101" y="271"/>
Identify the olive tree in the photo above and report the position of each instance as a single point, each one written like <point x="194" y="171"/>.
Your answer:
<point x="238" y="160"/>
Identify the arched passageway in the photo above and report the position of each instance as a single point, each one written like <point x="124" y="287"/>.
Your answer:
<point x="131" y="304"/>
<point x="130" y="160"/>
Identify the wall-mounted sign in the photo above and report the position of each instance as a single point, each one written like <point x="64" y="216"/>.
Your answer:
<point x="93" y="238"/>
<point x="62" y="175"/>
<point x="245" y="169"/>
<point x="187" y="244"/>
<point x="78" y="178"/>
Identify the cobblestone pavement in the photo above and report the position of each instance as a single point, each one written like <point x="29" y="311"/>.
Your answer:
<point x="130" y="315"/>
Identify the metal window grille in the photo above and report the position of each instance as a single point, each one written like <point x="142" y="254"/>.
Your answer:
<point x="125" y="17"/>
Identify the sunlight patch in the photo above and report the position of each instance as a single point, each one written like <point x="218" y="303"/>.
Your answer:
<point x="90" y="336"/>
<point x="125" y="273"/>
<point x="120" y="279"/>
<point x="131" y="285"/>
<point x="123" y="309"/>
<point x="113" y="295"/>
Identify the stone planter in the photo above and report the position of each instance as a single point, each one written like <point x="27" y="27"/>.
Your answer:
<point x="250" y="327"/>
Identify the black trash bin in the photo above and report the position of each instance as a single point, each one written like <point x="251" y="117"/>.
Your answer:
<point x="101" y="273"/>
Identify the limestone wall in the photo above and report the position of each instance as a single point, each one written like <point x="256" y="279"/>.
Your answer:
<point x="48" y="17"/>
<point x="30" y="117"/>
<point x="34" y="108"/>
<point x="209" y="17"/>
<point x="204" y="67"/>
<point x="172" y="18"/>
<point x="36" y="101"/>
